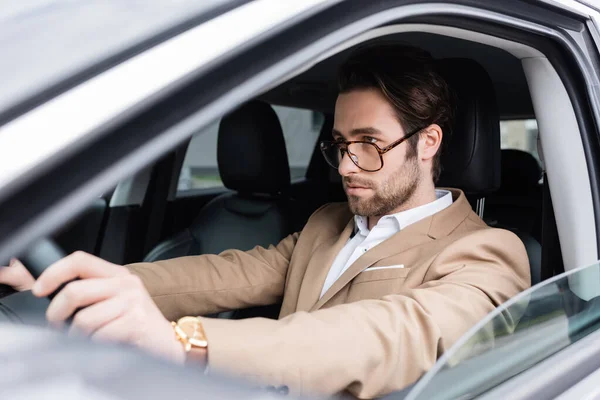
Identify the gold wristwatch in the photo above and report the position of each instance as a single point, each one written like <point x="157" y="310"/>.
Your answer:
<point x="190" y="333"/>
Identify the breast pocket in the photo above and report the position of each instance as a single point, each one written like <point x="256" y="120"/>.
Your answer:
<point x="374" y="284"/>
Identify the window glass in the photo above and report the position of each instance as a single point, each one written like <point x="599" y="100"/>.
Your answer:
<point x="520" y="134"/>
<point x="200" y="169"/>
<point x="517" y="335"/>
<point x="300" y="129"/>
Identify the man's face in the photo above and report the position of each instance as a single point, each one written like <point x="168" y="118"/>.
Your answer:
<point x="391" y="188"/>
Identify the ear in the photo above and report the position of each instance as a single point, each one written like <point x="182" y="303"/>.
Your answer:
<point x="430" y="142"/>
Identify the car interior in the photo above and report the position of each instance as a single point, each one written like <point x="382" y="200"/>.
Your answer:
<point x="146" y="218"/>
<point x="260" y="196"/>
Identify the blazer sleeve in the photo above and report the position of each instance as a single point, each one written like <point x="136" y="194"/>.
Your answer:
<point x="205" y="284"/>
<point x="373" y="347"/>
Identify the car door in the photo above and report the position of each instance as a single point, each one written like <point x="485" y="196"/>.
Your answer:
<point x="553" y="346"/>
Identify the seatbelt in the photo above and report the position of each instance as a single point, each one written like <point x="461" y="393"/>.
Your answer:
<point x="480" y="207"/>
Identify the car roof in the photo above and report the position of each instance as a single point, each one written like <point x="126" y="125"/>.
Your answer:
<point x="46" y="42"/>
<point x="317" y="88"/>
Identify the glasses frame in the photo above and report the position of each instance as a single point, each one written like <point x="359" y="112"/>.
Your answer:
<point x="342" y="146"/>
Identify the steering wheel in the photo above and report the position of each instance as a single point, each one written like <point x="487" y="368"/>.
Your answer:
<point x="24" y="307"/>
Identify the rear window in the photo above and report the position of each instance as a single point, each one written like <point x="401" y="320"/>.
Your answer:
<point x="520" y="134"/>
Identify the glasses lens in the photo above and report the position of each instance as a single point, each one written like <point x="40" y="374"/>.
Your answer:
<point x="332" y="154"/>
<point x="365" y="156"/>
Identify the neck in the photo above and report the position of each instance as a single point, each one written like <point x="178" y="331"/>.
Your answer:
<point x="424" y="194"/>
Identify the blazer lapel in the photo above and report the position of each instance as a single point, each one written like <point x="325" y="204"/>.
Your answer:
<point x="319" y="266"/>
<point x="413" y="235"/>
<point x="425" y="230"/>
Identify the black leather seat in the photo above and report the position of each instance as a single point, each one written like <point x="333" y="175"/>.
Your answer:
<point x="472" y="158"/>
<point x="253" y="163"/>
<point x="471" y="153"/>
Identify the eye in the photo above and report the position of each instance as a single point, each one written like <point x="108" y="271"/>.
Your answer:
<point x="370" y="139"/>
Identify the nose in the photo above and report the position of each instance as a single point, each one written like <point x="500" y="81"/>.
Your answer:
<point x="347" y="167"/>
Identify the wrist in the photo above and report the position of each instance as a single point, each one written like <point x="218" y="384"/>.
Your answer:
<point x="178" y="353"/>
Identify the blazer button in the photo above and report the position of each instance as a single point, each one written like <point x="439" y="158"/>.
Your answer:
<point x="284" y="390"/>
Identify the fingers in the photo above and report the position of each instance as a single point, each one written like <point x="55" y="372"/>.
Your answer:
<point x="76" y="265"/>
<point x="92" y="318"/>
<point x="9" y="276"/>
<point x="16" y="276"/>
<point x="80" y="294"/>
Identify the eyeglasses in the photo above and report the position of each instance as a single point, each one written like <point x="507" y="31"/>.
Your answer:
<point x="365" y="155"/>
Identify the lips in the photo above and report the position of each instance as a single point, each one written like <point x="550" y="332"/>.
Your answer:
<point x="355" y="189"/>
<point x="356" y="185"/>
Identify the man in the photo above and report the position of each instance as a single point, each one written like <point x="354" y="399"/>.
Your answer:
<point x="373" y="290"/>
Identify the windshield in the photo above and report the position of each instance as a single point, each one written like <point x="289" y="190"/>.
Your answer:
<point x="551" y="316"/>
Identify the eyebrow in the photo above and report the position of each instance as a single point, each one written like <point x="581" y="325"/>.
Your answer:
<point x="359" y="131"/>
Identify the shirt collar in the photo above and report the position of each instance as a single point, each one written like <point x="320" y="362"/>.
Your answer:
<point x="403" y="219"/>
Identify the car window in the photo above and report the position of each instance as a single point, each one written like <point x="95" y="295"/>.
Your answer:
<point x="519" y="334"/>
<point x="200" y="169"/>
<point x="520" y="134"/>
<point x="300" y="129"/>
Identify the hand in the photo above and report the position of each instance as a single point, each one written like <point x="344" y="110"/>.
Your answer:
<point x="117" y="306"/>
<point x="16" y="276"/>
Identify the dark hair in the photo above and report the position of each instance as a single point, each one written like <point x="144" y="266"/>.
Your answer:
<point x="409" y="79"/>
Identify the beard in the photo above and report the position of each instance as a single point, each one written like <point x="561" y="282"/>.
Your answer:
<point x="394" y="192"/>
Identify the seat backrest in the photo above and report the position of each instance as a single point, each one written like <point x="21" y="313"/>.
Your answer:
<point x="472" y="158"/>
<point x="471" y="153"/>
<point x="253" y="164"/>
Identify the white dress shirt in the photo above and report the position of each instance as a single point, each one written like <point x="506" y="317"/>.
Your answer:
<point x="365" y="239"/>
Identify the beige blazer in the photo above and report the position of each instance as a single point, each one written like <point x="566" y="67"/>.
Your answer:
<point x="374" y="331"/>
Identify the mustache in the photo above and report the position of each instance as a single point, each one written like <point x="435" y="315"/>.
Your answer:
<point x="356" y="182"/>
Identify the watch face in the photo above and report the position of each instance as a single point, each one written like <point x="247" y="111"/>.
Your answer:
<point x="192" y="328"/>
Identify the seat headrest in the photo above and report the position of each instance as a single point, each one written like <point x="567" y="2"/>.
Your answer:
<point x="471" y="158"/>
<point x="520" y="171"/>
<point x="251" y="151"/>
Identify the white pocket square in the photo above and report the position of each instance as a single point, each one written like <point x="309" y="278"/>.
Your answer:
<point x="386" y="267"/>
